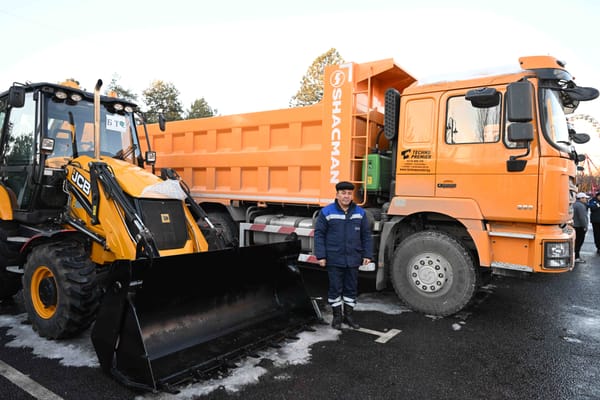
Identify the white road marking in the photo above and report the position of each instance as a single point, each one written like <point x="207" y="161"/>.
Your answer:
<point x="26" y="383"/>
<point x="383" y="337"/>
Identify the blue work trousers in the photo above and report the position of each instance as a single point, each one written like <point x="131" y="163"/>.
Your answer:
<point x="343" y="286"/>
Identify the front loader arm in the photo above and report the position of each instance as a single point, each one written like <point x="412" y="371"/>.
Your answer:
<point x="100" y="172"/>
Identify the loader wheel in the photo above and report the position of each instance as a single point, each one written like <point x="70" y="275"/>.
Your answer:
<point x="10" y="283"/>
<point x="433" y="273"/>
<point x="60" y="292"/>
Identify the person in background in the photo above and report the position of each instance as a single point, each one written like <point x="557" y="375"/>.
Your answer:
<point x="580" y="223"/>
<point x="343" y="242"/>
<point x="594" y="206"/>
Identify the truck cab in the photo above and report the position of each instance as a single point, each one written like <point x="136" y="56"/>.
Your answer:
<point x="496" y="155"/>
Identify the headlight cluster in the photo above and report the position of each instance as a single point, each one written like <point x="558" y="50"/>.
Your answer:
<point x="557" y="255"/>
<point x="118" y="107"/>
<point x="74" y="97"/>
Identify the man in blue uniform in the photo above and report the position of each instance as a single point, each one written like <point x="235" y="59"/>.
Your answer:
<point x="343" y="242"/>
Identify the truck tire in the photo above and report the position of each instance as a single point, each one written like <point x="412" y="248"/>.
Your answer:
<point x="226" y="226"/>
<point x="60" y="291"/>
<point x="433" y="273"/>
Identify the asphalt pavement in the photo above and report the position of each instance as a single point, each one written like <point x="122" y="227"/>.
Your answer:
<point x="530" y="338"/>
<point x="522" y="338"/>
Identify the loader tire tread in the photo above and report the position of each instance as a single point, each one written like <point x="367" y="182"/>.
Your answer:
<point x="78" y="293"/>
<point x="10" y="283"/>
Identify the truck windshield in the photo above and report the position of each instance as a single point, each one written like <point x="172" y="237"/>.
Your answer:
<point x="72" y="128"/>
<point x="554" y="120"/>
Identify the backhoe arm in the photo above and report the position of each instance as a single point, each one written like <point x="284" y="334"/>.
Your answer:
<point x="100" y="172"/>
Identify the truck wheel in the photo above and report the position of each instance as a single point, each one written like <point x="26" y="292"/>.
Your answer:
<point x="224" y="224"/>
<point x="433" y="273"/>
<point x="60" y="292"/>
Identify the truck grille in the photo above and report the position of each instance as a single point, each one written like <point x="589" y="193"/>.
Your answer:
<point x="166" y="220"/>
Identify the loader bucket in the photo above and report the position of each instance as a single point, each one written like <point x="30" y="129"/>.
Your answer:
<point x="179" y="318"/>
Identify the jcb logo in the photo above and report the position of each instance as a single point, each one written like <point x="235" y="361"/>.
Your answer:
<point x="165" y="218"/>
<point x="81" y="182"/>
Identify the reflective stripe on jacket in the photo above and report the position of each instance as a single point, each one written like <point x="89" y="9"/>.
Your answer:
<point x="343" y="238"/>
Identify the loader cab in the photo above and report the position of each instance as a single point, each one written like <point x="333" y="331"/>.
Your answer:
<point x="46" y="126"/>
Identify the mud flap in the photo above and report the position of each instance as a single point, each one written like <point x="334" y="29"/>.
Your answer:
<point x="178" y="318"/>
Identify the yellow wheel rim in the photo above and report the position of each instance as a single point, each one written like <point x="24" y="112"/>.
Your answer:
<point x="42" y="282"/>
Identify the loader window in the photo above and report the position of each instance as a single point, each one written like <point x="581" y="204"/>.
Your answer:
<point x="77" y="120"/>
<point x="19" y="146"/>
<point x="467" y="124"/>
<point x="63" y="144"/>
<point x="18" y="151"/>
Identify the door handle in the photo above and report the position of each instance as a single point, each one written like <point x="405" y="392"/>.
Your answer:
<point x="446" y="185"/>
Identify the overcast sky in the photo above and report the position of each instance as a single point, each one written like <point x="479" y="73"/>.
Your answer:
<point x="244" y="56"/>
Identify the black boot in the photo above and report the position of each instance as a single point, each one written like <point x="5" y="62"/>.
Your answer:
<point x="348" y="317"/>
<point x="336" y="322"/>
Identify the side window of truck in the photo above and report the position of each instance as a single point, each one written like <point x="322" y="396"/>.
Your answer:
<point x="467" y="124"/>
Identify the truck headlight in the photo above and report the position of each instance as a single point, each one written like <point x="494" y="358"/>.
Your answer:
<point x="557" y="255"/>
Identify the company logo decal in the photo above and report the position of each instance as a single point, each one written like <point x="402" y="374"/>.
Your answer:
<point x="336" y="80"/>
<point x="415" y="161"/>
<point x="81" y="182"/>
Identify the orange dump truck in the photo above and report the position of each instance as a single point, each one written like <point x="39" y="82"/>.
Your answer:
<point x="461" y="179"/>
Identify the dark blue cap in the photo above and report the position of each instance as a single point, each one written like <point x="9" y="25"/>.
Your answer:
<point x="344" y="185"/>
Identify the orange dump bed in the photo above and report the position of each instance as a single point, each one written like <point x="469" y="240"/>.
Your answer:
<point x="293" y="155"/>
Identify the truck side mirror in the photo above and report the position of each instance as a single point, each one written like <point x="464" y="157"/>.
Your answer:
<point x="483" y="97"/>
<point x="580" y="138"/>
<point x="520" y="132"/>
<point x="518" y="102"/>
<point x="162" y="122"/>
<point x="16" y="96"/>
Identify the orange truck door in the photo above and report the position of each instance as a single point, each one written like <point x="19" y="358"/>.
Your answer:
<point x="472" y="155"/>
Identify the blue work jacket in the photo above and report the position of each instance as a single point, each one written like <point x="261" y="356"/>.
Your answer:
<point x="343" y="238"/>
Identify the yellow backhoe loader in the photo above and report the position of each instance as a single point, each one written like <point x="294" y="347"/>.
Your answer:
<point x="92" y="238"/>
